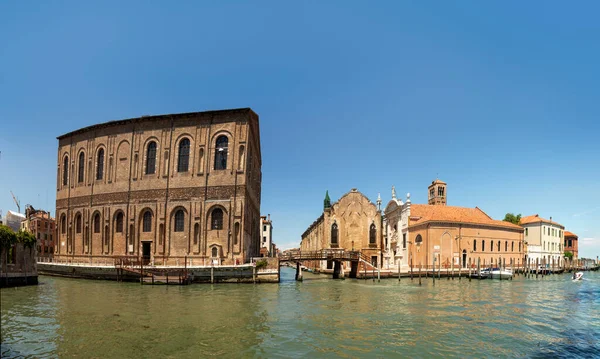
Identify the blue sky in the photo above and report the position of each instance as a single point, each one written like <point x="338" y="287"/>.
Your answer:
<point x="498" y="99"/>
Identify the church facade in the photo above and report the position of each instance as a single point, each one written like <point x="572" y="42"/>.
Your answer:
<point x="353" y="223"/>
<point x="435" y="234"/>
<point x="161" y="188"/>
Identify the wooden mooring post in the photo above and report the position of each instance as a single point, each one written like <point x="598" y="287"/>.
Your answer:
<point x="420" y="273"/>
<point x="411" y="268"/>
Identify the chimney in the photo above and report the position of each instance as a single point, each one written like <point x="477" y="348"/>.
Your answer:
<point x="269" y="217"/>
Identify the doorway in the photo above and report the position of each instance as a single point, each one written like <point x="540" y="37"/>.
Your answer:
<point x="146" y="252"/>
<point x="464" y="258"/>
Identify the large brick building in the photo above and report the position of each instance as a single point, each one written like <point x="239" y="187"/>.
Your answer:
<point x="162" y="188"/>
<point x="43" y="228"/>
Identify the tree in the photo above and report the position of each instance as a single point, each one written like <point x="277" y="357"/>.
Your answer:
<point x="26" y="238"/>
<point x="7" y="237"/>
<point x="569" y="254"/>
<point x="510" y="217"/>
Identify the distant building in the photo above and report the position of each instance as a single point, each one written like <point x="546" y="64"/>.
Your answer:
<point x="13" y="220"/>
<point x="571" y="244"/>
<point x="544" y="239"/>
<point x="353" y="223"/>
<point x="266" y="235"/>
<point x="455" y="236"/>
<point x="43" y="228"/>
<point x="18" y="265"/>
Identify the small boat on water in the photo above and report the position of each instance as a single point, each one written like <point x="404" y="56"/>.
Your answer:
<point x="479" y="275"/>
<point x="577" y="276"/>
<point x="496" y="273"/>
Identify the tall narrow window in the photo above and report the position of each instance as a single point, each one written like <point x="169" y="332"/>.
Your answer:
<point x="221" y="153"/>
<point x="97" y="223"/>
<point x="474" y="245"/>
<point x="526" y="231"/>
<point x="100" y="169"/>
<point x="483" y="245"/>
<point x="404" y="240"/>
<point x="184" y="155"/>
<point x="201" y="161"/>
<point x="506" y="246"/>
<point x="66" y="171"/>
<point x="78" y="223"/>
<point x="215" y="252"/>
<point x="196" y="232"/>
<point x="119" y="224"/>
<point x="63" y="224"/>
<point x="147" y="225"/>
<point x="151" y="158"/>
<point x="236" y="232"/>
<point x="216" y="220"/>
<point x="372" y="234"/>
<point x="179" y="221"/>
<point x="512" y="246"/>
<point x="241" y="159"/>
<point x="81" y="167"/>
<point x="334" y="235"/>
<point x="498" y="246"/>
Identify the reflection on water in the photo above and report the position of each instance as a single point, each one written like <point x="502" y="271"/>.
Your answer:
<point x="549" y="317"/>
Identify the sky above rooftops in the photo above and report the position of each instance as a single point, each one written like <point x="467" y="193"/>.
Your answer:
<point x="499" y="100"/>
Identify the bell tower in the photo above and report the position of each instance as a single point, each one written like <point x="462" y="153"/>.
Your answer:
<point x="437" y="193"/>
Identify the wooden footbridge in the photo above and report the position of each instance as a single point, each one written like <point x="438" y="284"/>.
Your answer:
<point x="337" y="256"/>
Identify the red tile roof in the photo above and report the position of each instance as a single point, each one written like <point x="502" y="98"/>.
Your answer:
<point x="537" y="219"/>
<point x="569" y="234"/>
<point x="421" y="213"/>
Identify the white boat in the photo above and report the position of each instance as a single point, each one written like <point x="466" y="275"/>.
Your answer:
<point x="577" y="276"/>
<point x="497" y="273"/>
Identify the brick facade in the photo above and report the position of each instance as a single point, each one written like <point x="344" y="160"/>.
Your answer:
<point x="117" y="171"/>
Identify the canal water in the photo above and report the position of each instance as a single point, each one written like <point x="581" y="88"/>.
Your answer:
<point x="320" y="317"/>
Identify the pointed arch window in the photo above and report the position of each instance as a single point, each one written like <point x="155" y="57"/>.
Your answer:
<point x="373" y="234"/>
<point x="81" y="167"/>
<point x="100" y="169"/>
<point x="215" y="252"/>
<point x="63" y="224"/>
<point x="184" y="155"/>
<point x="236" y="232"/>
<point x="78" y="223"/>
<point x="147" y="222"/>
<point x="151" y="158"/>
<point x="66" y="171"/>
<point x="221" y="153"/>
<point x="179" y="221"/>
<point x="334" y="235"/>
<point x="119" y="224"/>
<point x="216" y="220"/>
<point x="97" y="223"/>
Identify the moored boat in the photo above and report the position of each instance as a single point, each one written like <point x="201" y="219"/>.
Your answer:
<point x="577" y="276"/>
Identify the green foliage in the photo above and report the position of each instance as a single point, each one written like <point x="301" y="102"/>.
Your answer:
<point x="510" y="217"/>
<point x="26" y="238"/>
<point x="569" y="254"/>
<point x="7" y="237"/>
<point x="261" y="264"/>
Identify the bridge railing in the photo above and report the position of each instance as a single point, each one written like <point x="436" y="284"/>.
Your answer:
<point x="323" y="254"/>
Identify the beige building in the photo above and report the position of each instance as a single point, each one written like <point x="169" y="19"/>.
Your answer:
<point x="267" y="247"/>
<point x="163" y="188"/>
<point x="544" y="239"/>
<point x="353" y="223"/>
<point x="447" y="236"/>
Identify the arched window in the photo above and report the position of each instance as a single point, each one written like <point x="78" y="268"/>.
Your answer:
<point x="215" y="252"/>
<point x="419" y="240"/>
<point x="78" y="223"/>
<point x="184" y="155"/>
<point x="216" y="221"/>
<point x="221" y="153"/>
<point x="147" y="225"/>
<point x="151" y="158"/>
<point x="334" y="234"/>
<point x="372" y="234"/>
<point x="100" y="169"/>
<point x="498" y="246"/>
<point x="506" y="246"/>
<point x="63" y="224"/>
<point x="236" y="232"/>
<point x="241" y="159"/>
<point x="483" y="245"/>
<point x="474" y="245"/>
<point x="179" y="221"/>
<point x="97" y="223"/>
<point x="512" y="246"/>
<point x="119" y="224"/>
<point x="81" y="167"/>
<point x="66" y="171"/>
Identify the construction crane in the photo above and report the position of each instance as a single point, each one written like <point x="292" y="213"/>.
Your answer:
<point x="16" y="202"/>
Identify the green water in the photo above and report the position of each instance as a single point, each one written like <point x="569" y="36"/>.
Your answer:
<point x="320" y="317"/>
